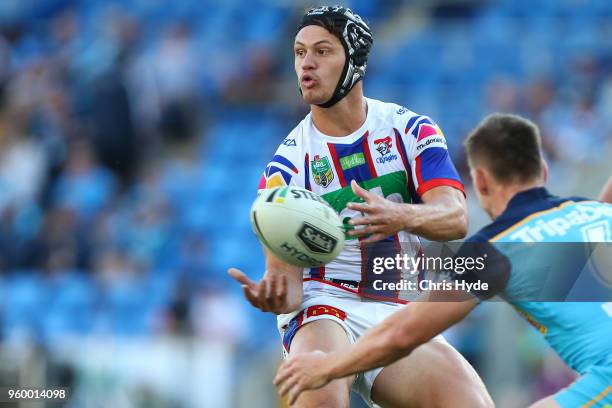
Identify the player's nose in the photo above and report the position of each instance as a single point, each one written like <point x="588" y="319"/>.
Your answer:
<point x="308" y="62"/>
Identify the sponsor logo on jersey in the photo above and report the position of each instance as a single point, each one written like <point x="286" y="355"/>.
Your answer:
<point x="354" y="160"/>
<point x="401" y="111"/>
<point x="383" y="146"/>
<point x="322" y="171"/>
<point x="316" y="240"/>
<point x="558" y="224"/>
<point x="428" y="135"/>
<point x="431" y="141"/>
<point x="289" y="142"/>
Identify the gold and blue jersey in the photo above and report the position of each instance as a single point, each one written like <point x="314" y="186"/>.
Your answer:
<point x="547" y="245"/>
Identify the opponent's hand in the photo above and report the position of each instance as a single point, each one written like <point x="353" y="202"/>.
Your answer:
<point x="268" y="295"/>
<point x="301" y="372"/>
<point x="383" y="217"/>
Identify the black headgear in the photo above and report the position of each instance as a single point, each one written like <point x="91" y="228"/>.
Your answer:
<point x="356" y="38"/>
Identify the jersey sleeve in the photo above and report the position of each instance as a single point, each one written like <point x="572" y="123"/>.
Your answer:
<point x="427" y="154"/>
<point x="285" y="168"/>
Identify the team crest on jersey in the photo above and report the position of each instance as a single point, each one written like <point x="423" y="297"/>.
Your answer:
<point x="322" y="171"/>
<point x="383" y="146"/>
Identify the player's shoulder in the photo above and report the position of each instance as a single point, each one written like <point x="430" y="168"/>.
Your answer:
<point x="388" y="111"/>
<point x="496" y="227"/>
<point x="400" y="117"/>
<point x="295" y="137"/>
<point x="289" y="147"/>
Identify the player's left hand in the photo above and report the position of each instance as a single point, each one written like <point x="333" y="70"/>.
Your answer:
<point x="302" y="372"/>
<point x="382" y="219"/>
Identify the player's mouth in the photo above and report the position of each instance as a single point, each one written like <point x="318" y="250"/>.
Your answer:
<point x="308" y="81"/>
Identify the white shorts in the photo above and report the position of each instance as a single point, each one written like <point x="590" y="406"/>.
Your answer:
<point x="353" y="314"/>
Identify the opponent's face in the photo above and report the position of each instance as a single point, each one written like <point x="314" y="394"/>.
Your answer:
<point x="319" y="61"/>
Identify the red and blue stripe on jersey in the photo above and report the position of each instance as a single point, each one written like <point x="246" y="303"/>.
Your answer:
<point x="361" y="173"/>
<point x="401" y="147"/>
<point x="358" y="173"/>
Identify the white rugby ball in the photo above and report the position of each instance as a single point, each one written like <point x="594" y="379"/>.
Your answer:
<point x="297" y="226"/>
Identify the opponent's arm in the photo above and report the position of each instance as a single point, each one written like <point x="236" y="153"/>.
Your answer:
<point x="606" y="192"/>
<point x="383" y="344"/>
<point x="280" y="289"/>
<point x="441" y="217"/>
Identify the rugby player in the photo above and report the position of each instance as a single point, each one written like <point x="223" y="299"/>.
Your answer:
<point x="509" y="175"/>
<point x="349" y="148"/>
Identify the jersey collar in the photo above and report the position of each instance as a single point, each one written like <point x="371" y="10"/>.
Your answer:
<point x="522" y="199"/>
<point x="528" y="196"/>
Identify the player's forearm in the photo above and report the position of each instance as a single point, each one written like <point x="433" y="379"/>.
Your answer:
<point x="384" y="344"/>
<point x="443" y="219"/>
<point x="397" y="336"/>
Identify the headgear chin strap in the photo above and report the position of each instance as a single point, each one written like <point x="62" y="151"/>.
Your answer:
<point x="356" y="38"/>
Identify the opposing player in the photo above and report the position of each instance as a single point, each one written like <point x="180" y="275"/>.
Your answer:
<point x="351" y="148"/>
<point x="508" y="174"/>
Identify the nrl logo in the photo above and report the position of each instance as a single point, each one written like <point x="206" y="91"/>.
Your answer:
<point x="322" y="171"/>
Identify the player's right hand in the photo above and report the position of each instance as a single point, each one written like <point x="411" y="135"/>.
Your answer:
<point x="268" y="295"/>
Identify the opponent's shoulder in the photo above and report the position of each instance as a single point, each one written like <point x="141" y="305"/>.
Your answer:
<point x="480" y="237"/>
<point x="493" y="229"/>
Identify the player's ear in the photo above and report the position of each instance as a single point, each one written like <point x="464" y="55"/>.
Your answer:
<point x="481" y="182"/>
<point x="544" y="171"/>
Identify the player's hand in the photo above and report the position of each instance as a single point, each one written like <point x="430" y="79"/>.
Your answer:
<point x="382" y="217"/>
<point x="267" y="295"/>
<point x="302" y="372"/>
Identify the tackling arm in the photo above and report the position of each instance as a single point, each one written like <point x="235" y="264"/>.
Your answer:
<point x="398" y="335"/>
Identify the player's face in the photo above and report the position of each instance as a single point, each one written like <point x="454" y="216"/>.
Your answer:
<point x="319" y="60"/>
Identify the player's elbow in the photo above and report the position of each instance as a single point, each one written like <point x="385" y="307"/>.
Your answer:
<point x="456" y="226"/>
<point x="458" y="215"/>
<point x="461" y="225"/>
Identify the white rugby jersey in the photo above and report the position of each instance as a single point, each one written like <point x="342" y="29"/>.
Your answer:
<point x="396" y="153"/>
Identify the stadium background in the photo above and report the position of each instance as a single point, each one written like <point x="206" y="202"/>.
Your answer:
<point x="132" y="137"/>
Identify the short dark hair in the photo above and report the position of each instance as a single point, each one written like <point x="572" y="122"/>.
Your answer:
<point x="509" y="146"/>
